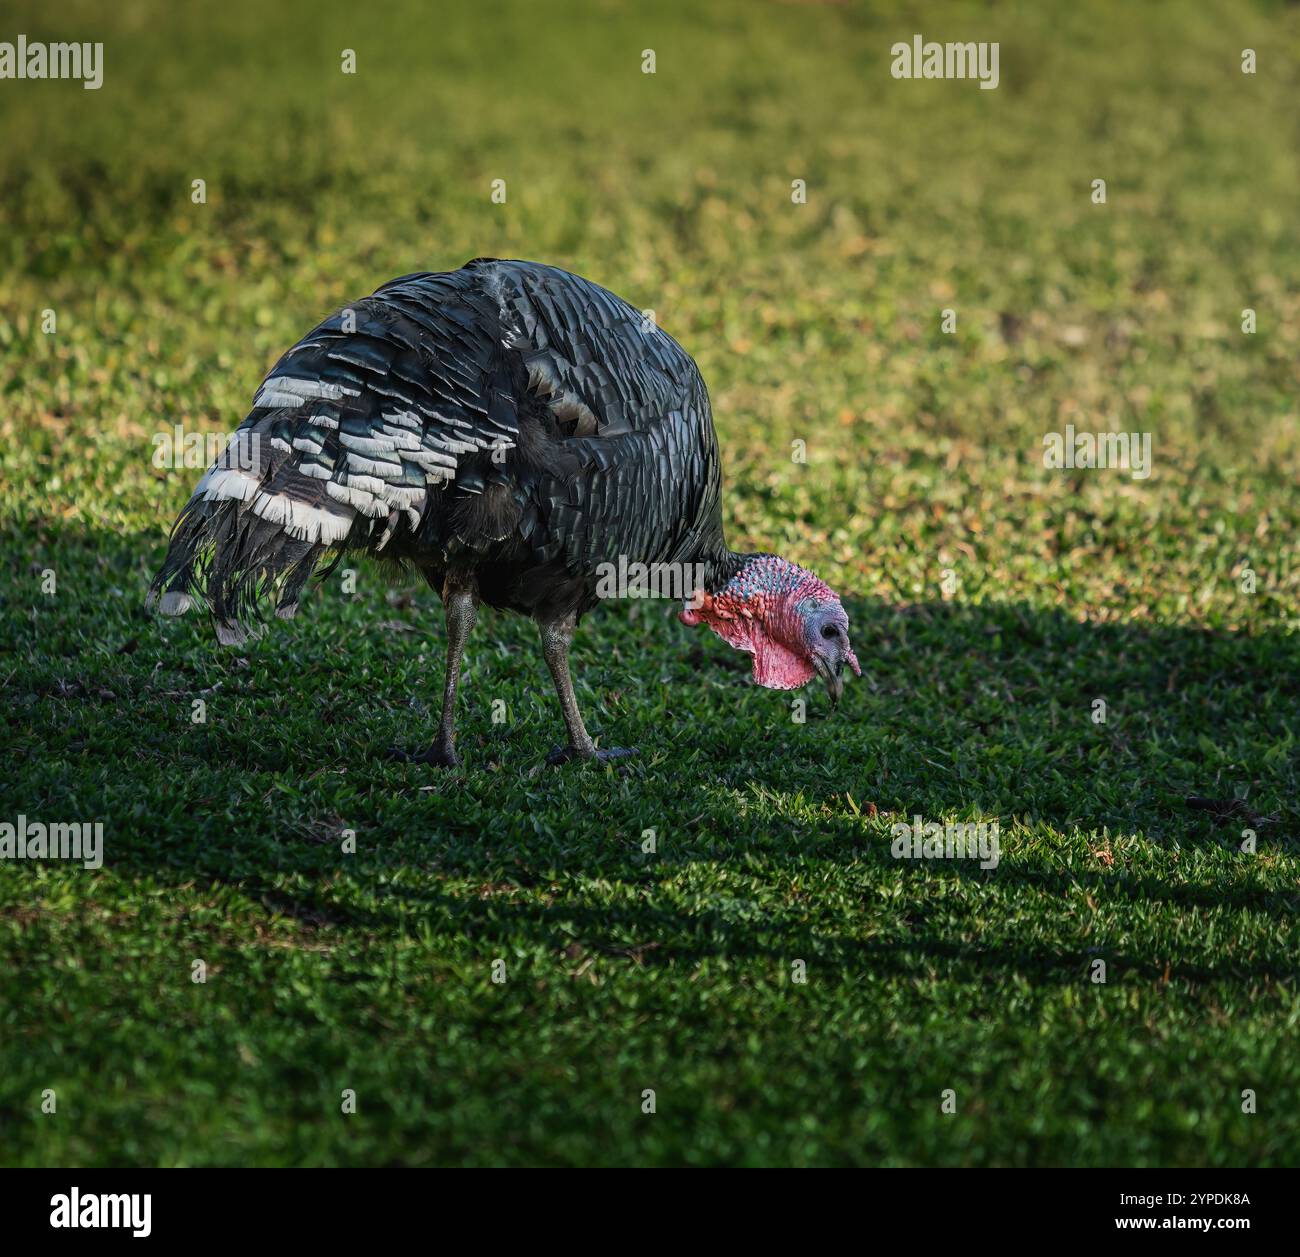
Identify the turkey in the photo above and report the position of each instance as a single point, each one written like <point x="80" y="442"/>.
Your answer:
<point x="516" y="434"/>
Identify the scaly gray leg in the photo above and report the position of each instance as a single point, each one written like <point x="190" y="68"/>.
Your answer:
<point x="556" y="636"/>
<point x="460" y="601"/>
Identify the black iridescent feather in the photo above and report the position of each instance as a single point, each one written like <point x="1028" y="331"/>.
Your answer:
<point x="507" y="421"/>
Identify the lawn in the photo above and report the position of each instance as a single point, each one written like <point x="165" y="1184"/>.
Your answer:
<point x="491" y="961"/>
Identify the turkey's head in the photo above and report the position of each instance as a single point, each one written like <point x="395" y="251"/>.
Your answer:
<point x="788" y="620"/>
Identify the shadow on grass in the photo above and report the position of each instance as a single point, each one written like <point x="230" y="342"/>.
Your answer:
<point x="673" y="937"/>
<point x="965" y="711"/>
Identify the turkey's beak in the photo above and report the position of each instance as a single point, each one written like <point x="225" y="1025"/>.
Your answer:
<point x="833" y="678"/>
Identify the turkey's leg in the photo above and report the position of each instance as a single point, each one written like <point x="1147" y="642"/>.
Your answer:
<point x="556" y="636"/>
<point x="461" y="604"/>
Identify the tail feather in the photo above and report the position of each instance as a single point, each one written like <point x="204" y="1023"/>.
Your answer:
<point x="232" y="561"/>
<point x="253" y="532"/>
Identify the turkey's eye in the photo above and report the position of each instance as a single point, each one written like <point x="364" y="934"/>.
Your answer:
<point x="830" y="632"/>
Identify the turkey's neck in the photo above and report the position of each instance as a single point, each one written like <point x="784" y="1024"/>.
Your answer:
<point x="723" y="566"/>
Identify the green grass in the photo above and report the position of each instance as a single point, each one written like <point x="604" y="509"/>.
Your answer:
<point x="817" y="322"/>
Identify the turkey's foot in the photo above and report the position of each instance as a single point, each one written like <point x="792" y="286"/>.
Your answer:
<point x="437" y="755"/>
<point x="599" y="755"/>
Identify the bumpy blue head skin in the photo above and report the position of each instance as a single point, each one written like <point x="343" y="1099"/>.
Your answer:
<point x="770" y="575"/>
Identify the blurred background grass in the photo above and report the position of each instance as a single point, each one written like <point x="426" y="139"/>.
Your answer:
<point x="815" y="322"/>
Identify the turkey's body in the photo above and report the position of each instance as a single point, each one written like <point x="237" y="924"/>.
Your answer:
<point x="507" y="419"/>
<point x="507" y="428"/>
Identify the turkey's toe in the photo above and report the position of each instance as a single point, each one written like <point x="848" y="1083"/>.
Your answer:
<point x="437" y="756"/>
